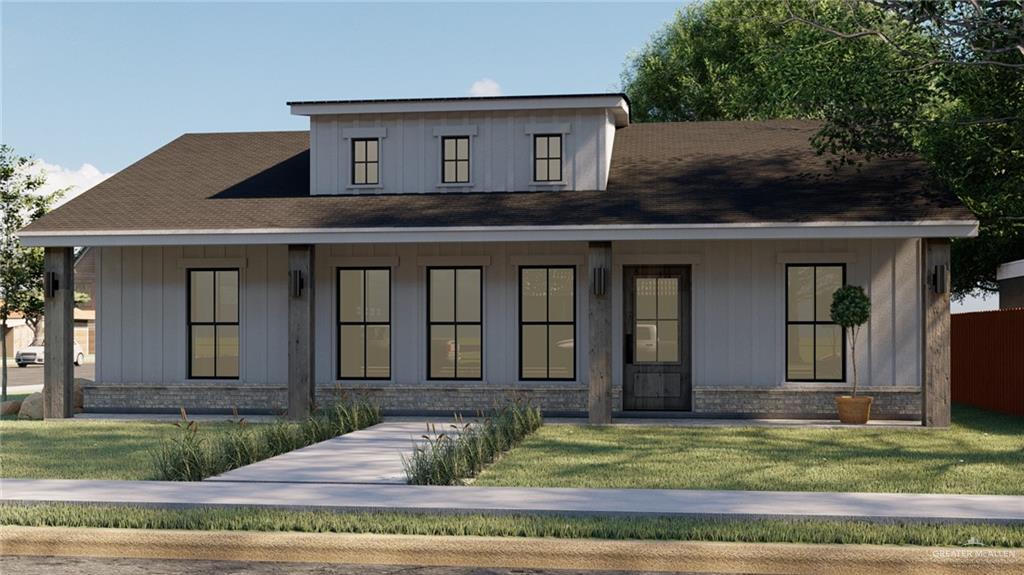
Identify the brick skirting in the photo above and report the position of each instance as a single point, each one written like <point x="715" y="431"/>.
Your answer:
<point x="806" y="403"/>
<point x="441" y="398"/>
<point x="445" y="398"/>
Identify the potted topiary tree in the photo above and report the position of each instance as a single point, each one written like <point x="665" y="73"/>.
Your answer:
<point x="851" y="309"/>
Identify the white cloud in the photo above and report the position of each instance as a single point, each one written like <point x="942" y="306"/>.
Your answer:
<point x="58" y="177"/>
<point x="485" y="87"/>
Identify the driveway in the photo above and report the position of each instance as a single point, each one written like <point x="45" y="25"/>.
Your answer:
<point x="29" y="379"/>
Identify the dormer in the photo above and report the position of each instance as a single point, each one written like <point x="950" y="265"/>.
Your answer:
<point x="472" y="144"/>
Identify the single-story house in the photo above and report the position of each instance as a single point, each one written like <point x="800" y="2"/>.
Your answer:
<point x="446" y="254"/>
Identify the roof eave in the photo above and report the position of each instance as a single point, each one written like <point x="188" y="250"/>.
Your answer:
<point x="617" y="103"/>
<point x="614" y="232"/>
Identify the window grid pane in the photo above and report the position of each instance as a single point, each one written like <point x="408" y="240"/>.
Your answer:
<point x="656" y="314"/>
<point x="547" y="158"/>
<point x="815" y="347"/>
<point x="365" y="161"/>
<point x="547" y="325"/>
<point x="364" y="323"/>
<point x="455" y="160"/>
<point x="213" y="332"/>
<point x="454" y="323"/>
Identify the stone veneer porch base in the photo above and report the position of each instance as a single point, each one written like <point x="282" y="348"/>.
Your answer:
<point x="804" y="401"/>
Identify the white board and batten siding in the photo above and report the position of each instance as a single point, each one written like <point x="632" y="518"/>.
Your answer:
<point x="141" y="314"/>
<point x="738" y="306"/>
<point x="501" y="150"/>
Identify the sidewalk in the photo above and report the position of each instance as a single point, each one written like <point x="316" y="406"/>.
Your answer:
<point x="623" y="502"/>
<point x="371" y="455"/>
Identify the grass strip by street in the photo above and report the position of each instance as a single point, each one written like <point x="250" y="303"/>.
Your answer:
<point x="517" y="525"/>
<point x="190" y="455"/>
<point x="450" y="457"/>
<point x="982" y="453"/>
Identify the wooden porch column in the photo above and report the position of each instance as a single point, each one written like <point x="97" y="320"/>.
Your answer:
<point x="935" y="389"/>
<point x="599" y="315"/>
<point x="59" y="335"/>
<point x="301" y="291"/>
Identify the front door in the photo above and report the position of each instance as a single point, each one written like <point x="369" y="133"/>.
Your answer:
<point x="657" y="338"/>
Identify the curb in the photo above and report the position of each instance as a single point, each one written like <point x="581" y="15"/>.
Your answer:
<point x="504" y="552"/>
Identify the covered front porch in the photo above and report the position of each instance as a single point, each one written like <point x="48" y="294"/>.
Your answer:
<point x="731" y="357"/>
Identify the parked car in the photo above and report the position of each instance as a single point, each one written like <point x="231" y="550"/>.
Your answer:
<point x="34" y="354"/>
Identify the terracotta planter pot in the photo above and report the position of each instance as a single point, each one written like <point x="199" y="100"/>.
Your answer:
<point x="856" y="410"/>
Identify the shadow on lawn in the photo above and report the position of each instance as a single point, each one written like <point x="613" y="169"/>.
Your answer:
<point x="983" y="453"/>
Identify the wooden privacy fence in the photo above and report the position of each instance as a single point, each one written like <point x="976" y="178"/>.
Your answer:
<point x="987" y="360"/>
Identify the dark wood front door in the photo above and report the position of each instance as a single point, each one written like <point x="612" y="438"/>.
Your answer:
<point x="657" y="338"/>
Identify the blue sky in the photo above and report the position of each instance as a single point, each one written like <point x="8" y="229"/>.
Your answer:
<point x="90" y="88"/>
<point x="105" y="84"/>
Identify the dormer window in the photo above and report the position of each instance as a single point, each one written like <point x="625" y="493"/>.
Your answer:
<point x="365" y="161"/>
<point x="547" y="158"/>
<point x="455" y="160"/>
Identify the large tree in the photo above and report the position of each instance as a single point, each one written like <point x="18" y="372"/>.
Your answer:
<point x="943" y="79"/>
<point x="21" y="270"/>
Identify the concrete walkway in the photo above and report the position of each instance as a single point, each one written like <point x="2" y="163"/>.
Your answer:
<point x="627" y="502"/>
<point x="372" y="455"/>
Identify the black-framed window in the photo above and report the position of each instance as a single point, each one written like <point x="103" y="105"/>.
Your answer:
<point x="547" y="322"/>
<point x="815" y="346"/>
<point x="455" y="323"/>
<point x="547" y="158"/>
<point x="365" y="161"/>
<point x="364" y="323"/>
<point x="213" y="330"/>
<point x="455" y="159"/>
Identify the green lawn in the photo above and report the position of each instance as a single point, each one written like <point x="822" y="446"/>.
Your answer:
<point x="84" y="449"/>
<point x="658" y="528"/>
<point x="982" y="453"/>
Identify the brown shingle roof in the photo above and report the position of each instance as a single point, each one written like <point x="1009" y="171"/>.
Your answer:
<point x="675" y="173"/>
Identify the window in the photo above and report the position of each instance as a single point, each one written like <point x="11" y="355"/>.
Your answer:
<point x="656" y="333"/>
<point x="364" y="323"/>
<point x="213" y="324"/>
<point x="455" y="159"/>
<point x="365" y="161"/>
<point x="815" y="347"/>
<point x="454" y="323"/>
<point x="547" y="323"/>
<point x="547" y="158"/>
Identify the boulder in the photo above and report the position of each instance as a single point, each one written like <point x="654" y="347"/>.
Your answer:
<point x="32" y="407"/>
<point x="78" y="397"/>
<point x="10" y="407"/>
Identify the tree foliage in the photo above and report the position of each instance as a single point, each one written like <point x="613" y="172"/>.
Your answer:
<point x="21" y="271"/>
<point x="851" y="308"/>
<point x="940" y="78"/>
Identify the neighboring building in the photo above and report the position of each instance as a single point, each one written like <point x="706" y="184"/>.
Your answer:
<point x="447" y="254"/>
<point x="1010" y="277"/>
<point x="85" y="314"/>
<point x="17" y="334"/>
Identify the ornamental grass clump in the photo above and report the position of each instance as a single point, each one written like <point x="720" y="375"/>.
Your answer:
<point x="190" y="456"/>
<point x="183" y="456"/>
<point x="450" y="457"/>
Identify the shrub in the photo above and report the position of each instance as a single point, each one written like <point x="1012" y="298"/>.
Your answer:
<point x="189" y="456"/>
<point x="448" y="458"/>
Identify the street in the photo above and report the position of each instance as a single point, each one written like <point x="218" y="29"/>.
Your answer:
<point x="28" y="379"/>
<point x="94" y="566"/>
